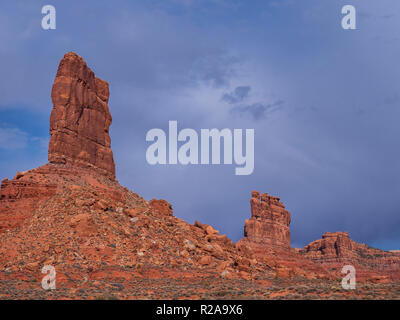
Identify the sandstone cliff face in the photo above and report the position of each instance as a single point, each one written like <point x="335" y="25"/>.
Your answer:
<point x="269" y="222"/>
<point x="333" y="247"/>
<point x="336" y="250"/>
<point x="80" y="119"/>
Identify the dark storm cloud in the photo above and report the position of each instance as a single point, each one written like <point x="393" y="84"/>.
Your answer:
<point x="216" y="70"/>
<point x="238" y="95"/>
<point x="258" y="110"/>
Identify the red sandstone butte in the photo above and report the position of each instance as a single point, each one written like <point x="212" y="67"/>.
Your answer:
<point x="336" y="250"/>
<point x="80" y="119"/>
<point x="269" y="222"/>
<point x="267" y="237"/>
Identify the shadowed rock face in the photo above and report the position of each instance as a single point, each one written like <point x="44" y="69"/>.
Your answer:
<point x="80" y="119"/>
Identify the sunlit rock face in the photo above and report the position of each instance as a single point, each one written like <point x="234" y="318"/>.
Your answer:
<point x="269" y="222"/>
<point x="80" y="119"/>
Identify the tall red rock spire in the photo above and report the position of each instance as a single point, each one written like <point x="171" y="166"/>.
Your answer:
<point x="80" y="119"/>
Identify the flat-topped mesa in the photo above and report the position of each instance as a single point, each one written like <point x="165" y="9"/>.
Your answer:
<point x="337" y="249"/>
<point x="269" y="222"/>
<point x="333" y="246"/>
<point x="80" y="119"/>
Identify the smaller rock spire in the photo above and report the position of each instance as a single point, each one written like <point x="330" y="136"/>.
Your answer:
<point x="269" y="222"/>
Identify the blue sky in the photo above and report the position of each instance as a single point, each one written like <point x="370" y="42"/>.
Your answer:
<point x="324" y="102"/>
